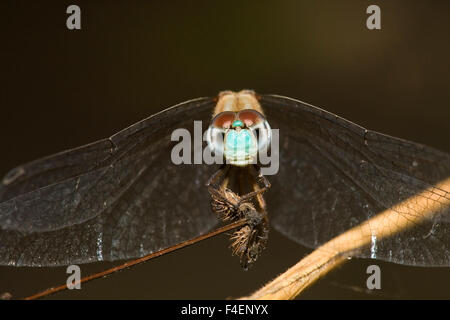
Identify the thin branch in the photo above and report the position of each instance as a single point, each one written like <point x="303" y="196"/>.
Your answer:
<point x="402" y="216"/>
<point x="129" y="264"/>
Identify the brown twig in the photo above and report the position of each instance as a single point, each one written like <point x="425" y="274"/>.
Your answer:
<point x="129" y="264"/>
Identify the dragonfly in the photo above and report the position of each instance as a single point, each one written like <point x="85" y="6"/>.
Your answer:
<point x="123" y="197"/>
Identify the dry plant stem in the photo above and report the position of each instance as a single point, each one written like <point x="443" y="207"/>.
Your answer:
<point x="402" y="216"/>
<point x="129" y="264"/>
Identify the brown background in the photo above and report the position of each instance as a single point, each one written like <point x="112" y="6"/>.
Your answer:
<point x="62" y="89"/>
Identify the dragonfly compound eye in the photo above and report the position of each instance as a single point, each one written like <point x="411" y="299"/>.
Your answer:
<point x="215" y="135"/>
<point x="258" y="124"/>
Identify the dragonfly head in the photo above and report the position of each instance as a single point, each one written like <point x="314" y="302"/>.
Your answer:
<point x="238" y="136"/>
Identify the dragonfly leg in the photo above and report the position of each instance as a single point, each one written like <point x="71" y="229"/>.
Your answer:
<point x="223" y="201"/>
<point x="218" y="183"/>
<point x="262" y="184"/>
<point x="250" y="240"/>
<point x="216" y="177"/>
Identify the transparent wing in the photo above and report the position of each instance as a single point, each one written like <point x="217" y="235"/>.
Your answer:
<point x="335" y="175"/>
<point x="117" y="198"/>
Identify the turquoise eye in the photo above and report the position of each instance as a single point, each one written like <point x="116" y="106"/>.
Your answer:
<point x="237" y="123"/>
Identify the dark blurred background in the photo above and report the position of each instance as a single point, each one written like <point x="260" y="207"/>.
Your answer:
<point x="61" y="89"/>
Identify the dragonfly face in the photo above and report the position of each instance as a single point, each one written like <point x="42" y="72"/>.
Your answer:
<point x="238" y="130"/>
